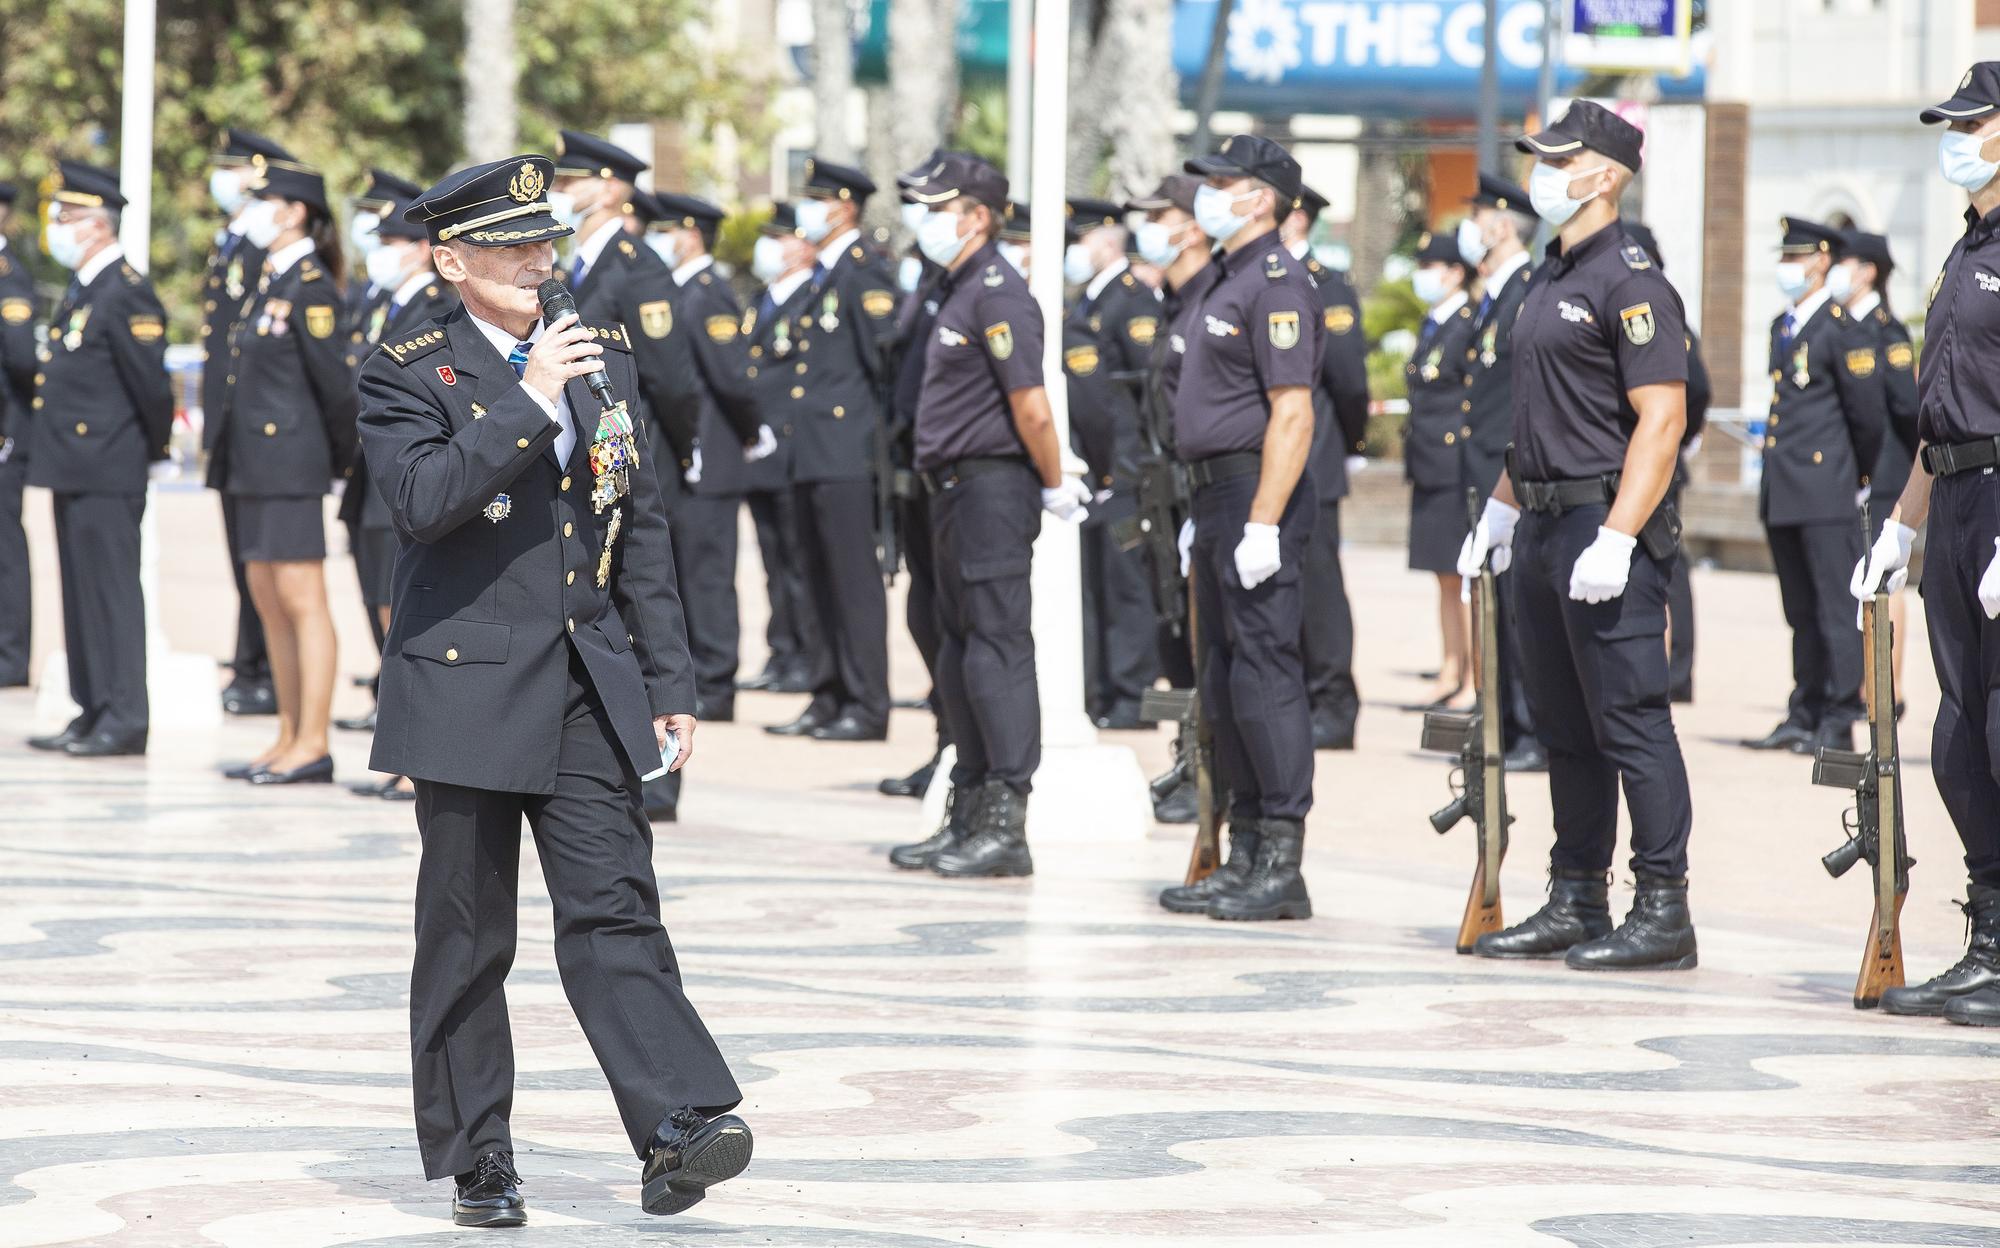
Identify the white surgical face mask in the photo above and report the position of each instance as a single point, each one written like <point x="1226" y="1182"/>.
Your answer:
<point x="361" y="231"/>
<point x="562" y="206"/>
<point x="913" y="216"/>
<point x="1472" y="242"/>
<point x="938" y="238"/>
<point x="1077" y="268"/>
<point x="1428" y="283"/>
<point x="909" y="272"/>
<point x="1960" y="161"/>
<point x="260" y="223"/>
<point x="1840" y="282"/>
<point x="1548" y="190"/>
<point x="1017" y="255"/>
<point x="812" y="217"/>
<point x="63" y="244"/>
<point x="1791" y="279"/>
<point x="767" y="259"/>
<point x="1215" y="212"/>
<point x="666" y="246"/>
<point x="385" y="265"/>
<point x="225" y="187"/>
<point x="1155" y="243"/>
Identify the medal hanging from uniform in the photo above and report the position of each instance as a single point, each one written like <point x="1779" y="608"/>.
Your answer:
<point x="614" y="453"/>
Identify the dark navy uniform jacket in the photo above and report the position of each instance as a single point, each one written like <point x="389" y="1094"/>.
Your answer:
<point x="1489" y="378"/>
<point x="497" y="573"/>
<point x="1107" y="342"/>
<point x="287" y="421"/>
<point x="1340" y="400"/>
<point x="1597" y="321"/>
<point x="227" y="289"/>
<point x="1440" y="427"/>
<point x="630" y="285"/>
<point x="1958" y="390"/>
<point x="840" y="367"/>
<point x="1829" y="414"/>
<point x="104" y="409"/>
<point x="986" y="344"/>
<point x="726" y="406"/>
<point x="1896" y="364"/>
<point x="17" y="353"/>
<point x="362" y="503"/>
<point x="772" y="336"/>
<point x="1258" y="329"/>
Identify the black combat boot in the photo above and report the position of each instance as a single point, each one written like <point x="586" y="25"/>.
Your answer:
<point x="996" y="842"/>
<point x="1658" y="935"/>
<point x="1244" y="838"/>
<point x="959" y="809"/>
<point x="1274" y="889"/>
<point x="1975" y="1009"/>
<point x="1979" y="968"/>
<point x="1578" y="909"/>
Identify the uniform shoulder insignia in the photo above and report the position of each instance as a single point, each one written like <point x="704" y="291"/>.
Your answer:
<point x="1834" y="308"/>
<point x="611" y="335"/>
<point x="414" y="347"/>
<point x="16" y="311"/>
<point x="1901" y="355"/>
<point x="1125" y="279"/>
<point x="704" y="278"/>
<point x="1635" y="257"/>
<point x="430" y="292"/>
<point x="1273" y="269"/>
<point x="1881" y="316"/>
<point x="309" y="272"/>
<point x="993" y="277"/>
<point x="857" y="253"/>
<point x="878" y="303"/>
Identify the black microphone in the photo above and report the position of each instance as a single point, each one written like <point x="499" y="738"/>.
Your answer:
<point x="557" y="303"/>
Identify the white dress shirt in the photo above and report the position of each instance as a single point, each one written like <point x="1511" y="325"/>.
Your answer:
<point x="98" y="263"/>
<point x="559" y="412"/>
<point x="686" y="272"/>
<point x="831" y="252"/>
<point x="1103" y="279"/>
<point x="283" y="259"/>
<point x="589" y="249"/>
<point x="783" y="289"/>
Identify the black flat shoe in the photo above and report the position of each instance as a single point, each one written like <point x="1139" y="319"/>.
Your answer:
<point x="850" y="728"/>
<point x="371" y="788"/>
<point x="395" y="794"/>
<point x="1786" y="736"/>
<point x="360" y="723"/>
<point x="1121" y="719"/>
<point x="688" y="1155"/>
<point x="59" y="741"/>
<point x="800" y="727"/>
<point x="250" y="698"/>
<point x="319" y="771"/>
<point x="106" y="745"/>
<point x="242" y="771"/>
<point x="489" y="1194"/>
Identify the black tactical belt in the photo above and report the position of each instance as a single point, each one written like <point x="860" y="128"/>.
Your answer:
<point x="1942" y="459"/>
<point x="1223" y="467"/>
<point x="1556" y="497"/>
<point x="965" y="469"/>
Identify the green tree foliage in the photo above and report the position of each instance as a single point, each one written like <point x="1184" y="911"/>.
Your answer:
<point x="345" y="84"/>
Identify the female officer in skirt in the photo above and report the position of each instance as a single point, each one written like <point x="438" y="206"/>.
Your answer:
<point x="288" y="431"/>
<point x="1433" y="456"/>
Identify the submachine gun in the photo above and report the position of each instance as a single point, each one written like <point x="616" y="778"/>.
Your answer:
<point x="1479" y="780"/>
<point x="1876" y="780"/>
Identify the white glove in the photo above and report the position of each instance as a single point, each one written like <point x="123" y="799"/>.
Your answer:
<point x="6" y="449"/>
<point x="1069" y="501"/>
<point x="1100" y="498"/>
<point x="1493" y="536"/>
<point x="1186" y="543"/>
<point x="1603" y="568"/>
<point x="1887" y="563"/>
<point x="765" y="445"/>
<point x="693" y="474"/>
<point x="1257" y="558"/>
<point x="1355" y="464"/>
<point x="1989" y="585"/>
<point x="1861" y="497"/>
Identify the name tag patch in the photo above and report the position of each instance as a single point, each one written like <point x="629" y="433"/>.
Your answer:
<point x="1571" y="313"/>
<point x="1220" y="328"/>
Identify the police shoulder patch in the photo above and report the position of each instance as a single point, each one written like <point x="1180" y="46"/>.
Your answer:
<point x="16" y="311"/>
<point x="319" y="320"/>
<point x="1080" y="361"/>
<point x="1635" y="257"/>
<point x="1861" y="361"/>
<point x="1284" y="330"/>
<point x="147" y="328"/>
<point x="656" y="318"/>
<point x="878" y="303"/>
<point x="1142" y="329"/>
<point x="414" y="348"/>
<point x="1339" y="319"/>
<point x="1901" y="356"/>
<point x="1000" y="340"/>
<point x="1638" y="323"/>
<point x="721" y="328"/>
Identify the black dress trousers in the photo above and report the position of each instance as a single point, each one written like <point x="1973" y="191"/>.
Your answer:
<point x="16" y="602"/>
<point x="1965" y="649"/>
<point x="104" y="609"/>
<point x="920" y="608"/>
<point x="792" y="634"/>
<point x="704" y="535"/>
<point x="983" y="535"/>
<point x="1253" y="678"/>
<point x="1329" y="627"/>
<point x="617" y="966"/>
<point x="252" y="660"/>
<point x="837" y="544"/>
<point x="1597" y="678"/>
<point x="1814" y="563"/>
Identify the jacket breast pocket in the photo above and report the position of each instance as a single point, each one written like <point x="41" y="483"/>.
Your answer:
<point x="452" y="642"/>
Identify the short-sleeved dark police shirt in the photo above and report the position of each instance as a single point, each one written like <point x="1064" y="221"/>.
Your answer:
<point x="1598" y="321"/>
<point x="1258" y="329"/>
<point x="985" y="344"/>
<point x="1958" y="387"/>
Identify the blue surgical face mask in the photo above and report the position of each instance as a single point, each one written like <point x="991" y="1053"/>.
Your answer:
<point x="384" y="265"/>
<point x="1155" y="243"/>
<point x="767" y="259"/>
<point x="939" y="239"/>
<point x="63" y="245"/>
<point x="260" y="223"/>
<point x="225" y="186"/>
<point x="1077" y="268"/>
<point x="913" y="216"/>
<point x="1472" y="242"/>
<point x="562" y="206"/>
<point x="361" y="231"/>
<point x="909" y="271"/>
<point x="1428" y="284"/>
<point x="666" y="247"/>
<point x="813" y="219"/>
<point x="1840" y="283"/>
<point x="1215" y="212"/>
<point x="1016" y="255"/>
<point x="1961" y="162"/>
<point x="1548" y="191"/>
<point x="1792" y="279"/>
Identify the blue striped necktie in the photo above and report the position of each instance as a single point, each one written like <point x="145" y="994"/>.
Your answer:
<point x="518" y="358"/>
<point x="576" y="268"/>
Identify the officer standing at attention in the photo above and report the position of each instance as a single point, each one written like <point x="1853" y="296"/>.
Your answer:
<point x="233" y="269"/>
<point x="378" y="202"/>
<point x="1493" y="238"/>
<point x="1953" y="485"/>
<point x="1828" y="418"/>
<point x="1107" y="338"/>
<point x="1434" y="458"/>
<point x="1340" y="432"/>
<point x="17" y="390"/>
<point x="1600" y="381"/>
<point x="1243" y="425"/>
<point x="103" y="412"/>
<point x="836" y="410"/>
<point x="537" y="666"/>
<point x="988" y="455"/>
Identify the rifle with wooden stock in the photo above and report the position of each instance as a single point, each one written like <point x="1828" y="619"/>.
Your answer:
<point x="1479" y="781"/>
<point x="1876" y="819"/>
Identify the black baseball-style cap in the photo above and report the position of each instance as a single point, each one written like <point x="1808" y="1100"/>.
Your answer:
<point x="1440" y="247"/>
<point x="1978" y="94"/>
<point x="826" y="180"/>
<point x="1588" y="124"/>
<point x="1873" y="248"/>
<point x="86" y="186"/>
<point x="244" y="147"/>
<point x="1083" y="214"/>
<point x="1496" y="192"/>
<point x="1014" y="224"/>
<point x="961" y="173"/>
<point x="386" y="191"/>
<point x="1176" y="190"/>
<point x="1311" y="202"/>
<point x="1804" y="238"/>
<point x="1643" y="236"/>
<point x="290" y="179"/>
<point x="783" y="221"/>
<point x="1254" y="156"/>
<point x="580" y="155"/>
<point x="504" y="203"/>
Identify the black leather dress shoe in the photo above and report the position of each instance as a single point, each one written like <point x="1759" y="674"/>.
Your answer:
<point x="1785" y="736"/>
<point x="795" y="679"/>
<point x="250" y="697"/>
<point x="912" y="704"/>
<point x="397" y="793"/>
<point x="1182" y="804"/>
<point x="489" y="1194"/>
<point x="762" y="682"/>
<point x="850" y="728"/>
<point x="59" y="741"/>
<point x="359" y="723"/>
<point x="241" y="771"/>
<point x="689" y="1154"/>
<point x="1527" y="755"/>
<point x="1333" y="734"/>
<point x="916" y="784"/>
<point x="318" y="771"/>
<point x="1121" y="719"/>
<point x="1828" y="736"/>
<point x="371" y="788"/>
<point x="808" y="720"/>
<point x="106" y="745"/>
<point x="716" y="713"/>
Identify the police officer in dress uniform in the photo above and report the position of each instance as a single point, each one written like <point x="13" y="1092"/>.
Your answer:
<point x="1494" y="238"/>
<point x="400" y="264"/>
<point x="103" y="411"/>
<point x="836" y="409"/>
<point x="1600" y="376"/>
<point x="1340" y="434"/>
<point x="1953" y="485"/>
<point x="1243" y="420"/>
<point x="227" y="289"/>
<point x="17" y="391"/>
<point x="988" y="455"/>
<point x="1829" y="415"/>
<point x="284" y="435"/>
<point x="536" y="666"/>
<point x="379" y="201"/>
<point x="1107" y="338"/>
